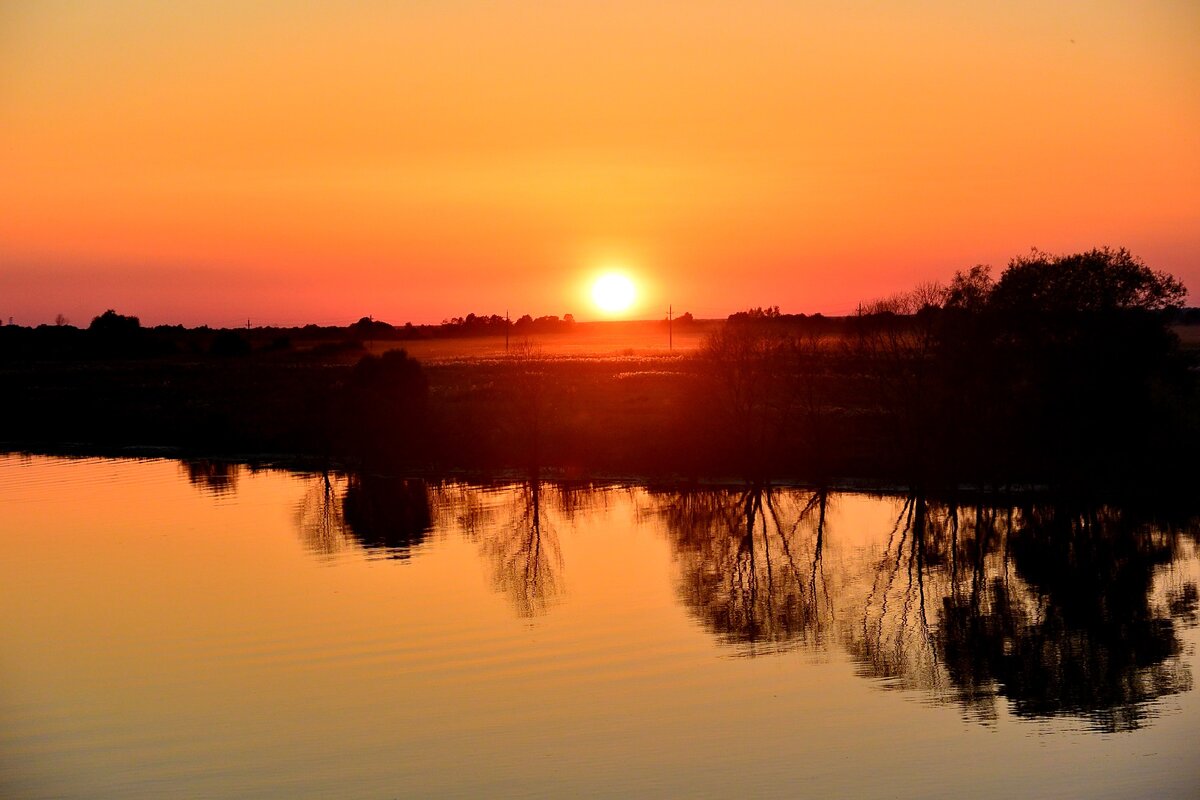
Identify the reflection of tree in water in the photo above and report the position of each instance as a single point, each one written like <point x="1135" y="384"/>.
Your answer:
<point x="318" y="516"/>
<point x="510" y="524"/>
<point x="751" y="564"/>
<point x="892" y="637"/>
<point x="518" y="539"/>
<point x="1053" y="610"/>
<point x="379" y="512"/>
<point x="215" y="477"/>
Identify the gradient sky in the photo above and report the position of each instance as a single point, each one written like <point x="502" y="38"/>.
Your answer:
<point x="293" y="162"/>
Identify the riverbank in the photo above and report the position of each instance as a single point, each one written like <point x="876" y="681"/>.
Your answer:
<point x="648" y="418"/>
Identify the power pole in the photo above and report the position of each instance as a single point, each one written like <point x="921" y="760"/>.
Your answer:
<point x="671" y="328"/>
<point x="506" y="324"/>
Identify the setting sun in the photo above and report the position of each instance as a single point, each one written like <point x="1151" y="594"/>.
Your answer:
<point x="613" y="293"/>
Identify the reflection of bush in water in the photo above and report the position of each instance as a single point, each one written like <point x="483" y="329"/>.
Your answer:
<point x="217" y="477"/>
<point x="1052" y="610"/>
<point x="1081" y="633"/>
<point x="387" y="512"/>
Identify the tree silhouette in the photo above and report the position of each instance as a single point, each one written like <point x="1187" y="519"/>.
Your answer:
<point x="1097" y="280"/>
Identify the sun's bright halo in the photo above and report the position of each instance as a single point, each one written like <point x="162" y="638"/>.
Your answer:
<point x="613" y="292"/>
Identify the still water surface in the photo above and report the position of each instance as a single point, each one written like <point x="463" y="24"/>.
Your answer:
<point x="201" y="630"/>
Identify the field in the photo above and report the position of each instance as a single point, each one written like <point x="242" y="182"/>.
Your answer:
<point x="587" y="340"/>
<point x="604" y="340"/>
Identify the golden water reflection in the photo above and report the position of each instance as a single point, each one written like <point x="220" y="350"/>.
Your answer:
<point x="230" y="631"/>
<point x="1052" y="609"/>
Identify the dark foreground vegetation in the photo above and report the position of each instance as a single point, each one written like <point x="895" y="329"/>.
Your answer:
<point x="1065" y="372"/>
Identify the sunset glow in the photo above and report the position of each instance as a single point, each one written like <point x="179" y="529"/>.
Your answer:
<point x="205" y="163"/>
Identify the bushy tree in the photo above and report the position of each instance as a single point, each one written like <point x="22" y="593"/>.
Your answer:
<point x="1098" y="280"/>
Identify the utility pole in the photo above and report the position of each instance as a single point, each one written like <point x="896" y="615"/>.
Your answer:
<point x="506" y="324"/>
<point x="670" y="328"/>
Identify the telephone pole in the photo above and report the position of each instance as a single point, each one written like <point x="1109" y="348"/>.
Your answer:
<point x="670" y="328"/>
<point x="506" y="324"/>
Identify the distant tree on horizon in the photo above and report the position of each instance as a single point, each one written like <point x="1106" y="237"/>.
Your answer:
<point x="112" y="322"/>
<point x="1098" y="280"/>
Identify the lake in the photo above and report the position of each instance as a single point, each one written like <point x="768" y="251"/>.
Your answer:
<point x="196" y="629"/>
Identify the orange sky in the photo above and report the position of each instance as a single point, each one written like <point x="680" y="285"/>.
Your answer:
<point x="294" y="162"/>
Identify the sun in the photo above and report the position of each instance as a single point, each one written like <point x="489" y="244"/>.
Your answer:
<point x="613" y="293"/>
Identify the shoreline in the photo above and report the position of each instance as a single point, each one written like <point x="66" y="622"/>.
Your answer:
<point x="309" y="464"/>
